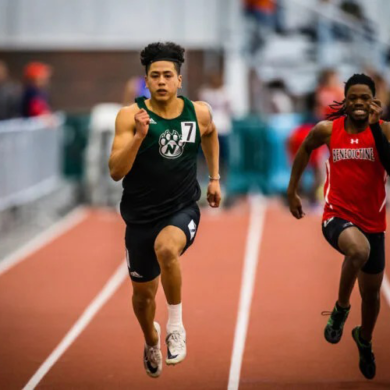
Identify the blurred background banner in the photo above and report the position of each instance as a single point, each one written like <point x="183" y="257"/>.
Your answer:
<point x="269" y="69"/>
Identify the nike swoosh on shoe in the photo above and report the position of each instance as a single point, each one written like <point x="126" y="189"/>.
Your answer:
<point x="152" y="369"/>
<point x="170" y="356"/>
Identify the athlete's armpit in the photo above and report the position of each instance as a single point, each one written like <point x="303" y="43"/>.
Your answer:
<point x="210" y="129"/>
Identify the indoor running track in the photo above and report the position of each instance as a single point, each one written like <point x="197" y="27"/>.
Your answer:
<point x="255" y="283"/>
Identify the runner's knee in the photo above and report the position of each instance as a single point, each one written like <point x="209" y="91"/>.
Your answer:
<point x="370" y="296"/>
<point x="167" y="254"/>
<point x="142" y="299"/>
<point x="358" y="254"/>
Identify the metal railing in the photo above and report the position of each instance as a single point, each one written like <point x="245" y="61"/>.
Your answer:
<point x="30" y="159"/>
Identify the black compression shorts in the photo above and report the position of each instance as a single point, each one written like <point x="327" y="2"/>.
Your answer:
<point x="140" y="238"/>
<point x="333" y="227"/>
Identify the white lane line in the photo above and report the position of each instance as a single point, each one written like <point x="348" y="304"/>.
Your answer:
<point x="386" y="288"/>
<point x="44" y="238"/>
<point x="258" y="210"/>
<point x="105" y="294"/>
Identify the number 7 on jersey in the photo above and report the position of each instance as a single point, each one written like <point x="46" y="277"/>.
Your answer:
<point x="188" y="131"/>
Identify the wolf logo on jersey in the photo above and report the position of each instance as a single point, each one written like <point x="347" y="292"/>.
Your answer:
<point x="171" y="144"/>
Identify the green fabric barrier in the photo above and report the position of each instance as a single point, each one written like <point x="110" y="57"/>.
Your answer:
<point x="249" y="156"/>
<point x="76" y="134"/>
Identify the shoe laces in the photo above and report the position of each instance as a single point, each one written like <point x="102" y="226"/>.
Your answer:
<point x="154" y="355"/>
<point x="177" y="338"/>
<point x="337" y="316"/>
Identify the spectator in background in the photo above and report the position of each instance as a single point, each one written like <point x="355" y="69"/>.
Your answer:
<point x="215" y="94"/>
<point x="134" y="88"/>
<point x="262" y="10"/>
<point x="280" y="101"/>
<point x="9" y="95"/>
<point x="329" y="90"/>
<point x="35" y="98"/>
<point x="353" y="9"/>
<point x="261" y="20"/>
<point x="364" y="37"/>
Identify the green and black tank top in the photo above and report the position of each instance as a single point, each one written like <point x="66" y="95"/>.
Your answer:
<point x="163" y="179"/>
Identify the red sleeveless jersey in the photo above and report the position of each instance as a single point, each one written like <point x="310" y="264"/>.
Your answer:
<point x="355" y="180"/>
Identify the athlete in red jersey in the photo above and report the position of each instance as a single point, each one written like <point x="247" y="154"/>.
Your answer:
<point x="355" y="179"/>
<point x="354" y="215"/>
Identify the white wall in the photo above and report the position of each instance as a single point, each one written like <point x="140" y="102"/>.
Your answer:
<point x="105" y="24"/>
<point x="130" y="24"/>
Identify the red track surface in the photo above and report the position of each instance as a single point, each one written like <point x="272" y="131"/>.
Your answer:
<point x="297" y="277"/>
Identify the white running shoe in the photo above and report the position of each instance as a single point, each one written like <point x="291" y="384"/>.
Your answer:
<point x="176" y="345"/>
<point x="153" y="356"/>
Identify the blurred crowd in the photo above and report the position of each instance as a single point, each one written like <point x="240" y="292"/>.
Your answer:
<point x="277" y="102"/>
<point x="276" y="98"/>
<point x="28" y="96"/>
<point x="270" y="97"/>
<point x="330" y="21"/>
<point x="339" y="33"/>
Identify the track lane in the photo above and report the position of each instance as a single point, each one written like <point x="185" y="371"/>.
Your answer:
<point x="297" y="278"/>
<point x="109" y="352"/>
<point x="43" y="296"/>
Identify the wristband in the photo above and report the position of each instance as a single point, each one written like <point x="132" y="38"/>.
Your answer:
<point x="214" y="178"/>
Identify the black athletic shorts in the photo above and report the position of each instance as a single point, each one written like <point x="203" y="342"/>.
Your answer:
<point x="140" y="238"/>
<point x="375" y="264"/>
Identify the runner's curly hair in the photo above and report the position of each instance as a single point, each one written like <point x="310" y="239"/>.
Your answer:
<point x="338" y="107"/>
<point x="162" y="51"/>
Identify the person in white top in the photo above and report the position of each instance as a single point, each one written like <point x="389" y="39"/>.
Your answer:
<point x="215" y="94"/>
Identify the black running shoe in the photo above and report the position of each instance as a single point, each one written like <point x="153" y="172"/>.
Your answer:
<point x="334" y="328"/>
<point x="366" y="357"/>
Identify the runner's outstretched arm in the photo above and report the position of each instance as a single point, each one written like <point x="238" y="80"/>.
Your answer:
<point x="210" y="147"/>
<point x="319" y="135"/>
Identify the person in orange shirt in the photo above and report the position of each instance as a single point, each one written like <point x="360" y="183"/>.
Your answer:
<point x="261" y="15"/>
<point x="261" y="5"/>
<point x="35" y="100"/>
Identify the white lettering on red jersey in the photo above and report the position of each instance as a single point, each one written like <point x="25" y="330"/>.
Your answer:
<point x="355" y="180"/>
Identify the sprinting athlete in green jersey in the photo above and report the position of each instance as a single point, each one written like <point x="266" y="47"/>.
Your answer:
<point x="155" y="152"/>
